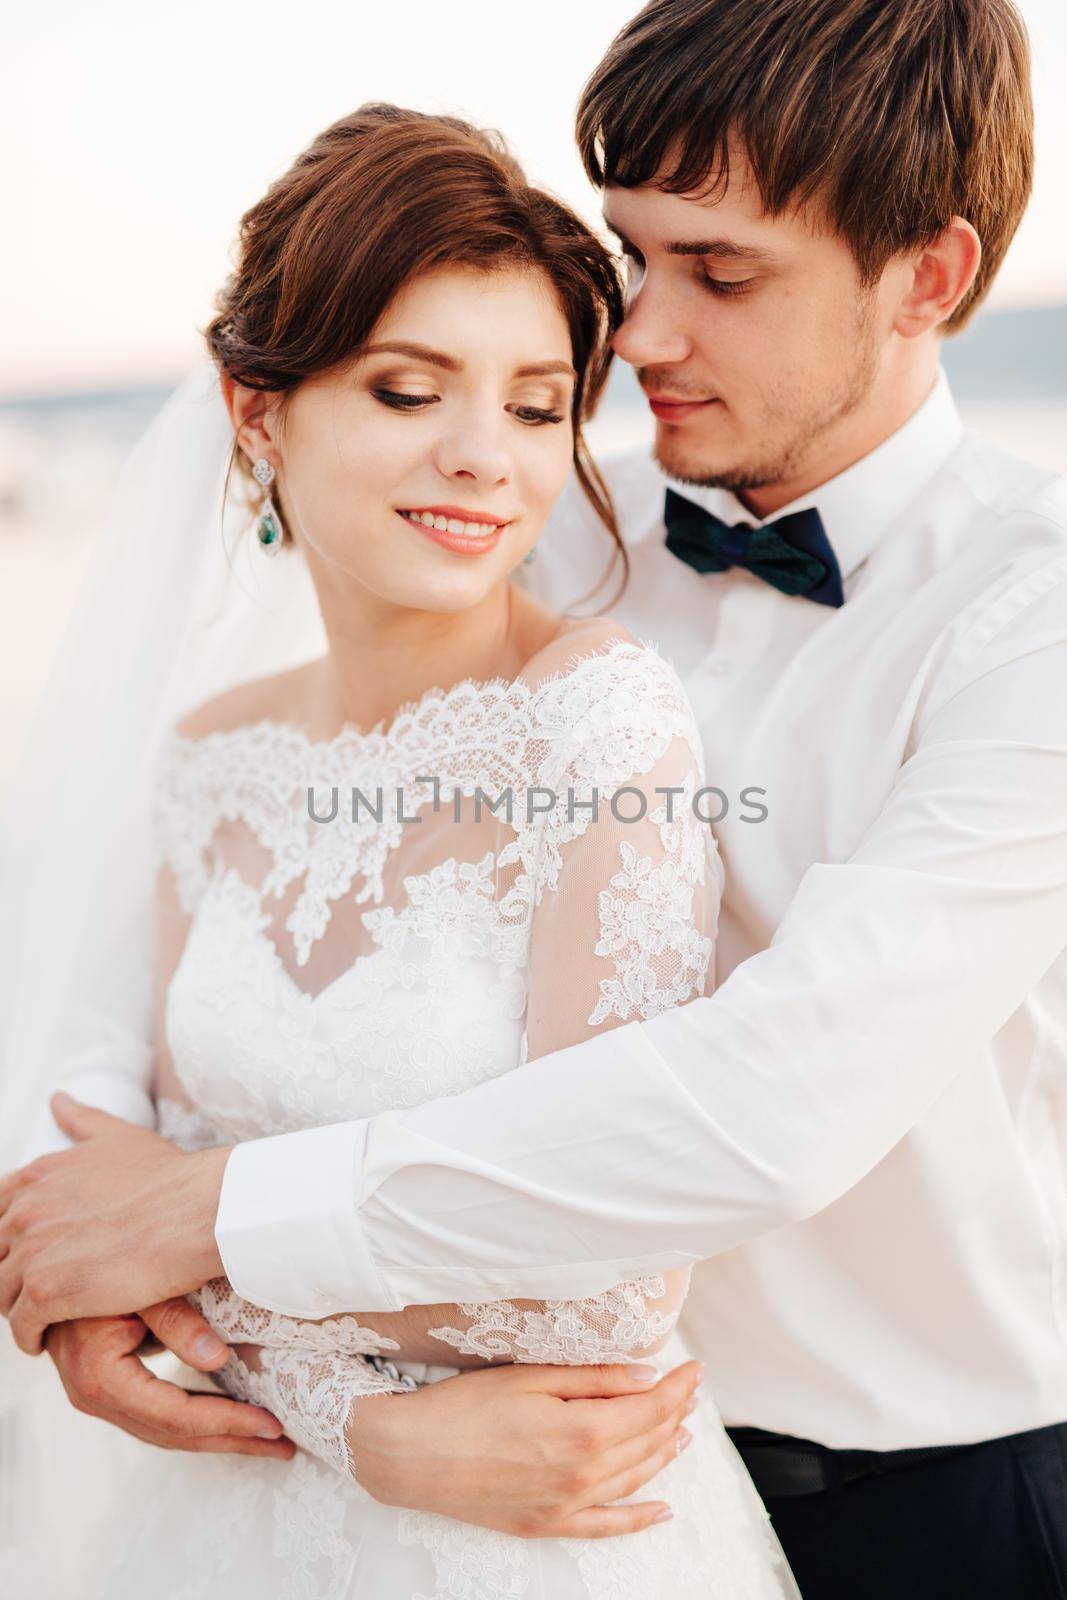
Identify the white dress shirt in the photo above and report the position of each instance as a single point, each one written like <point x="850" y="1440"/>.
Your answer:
<point x="865" y="1127"/>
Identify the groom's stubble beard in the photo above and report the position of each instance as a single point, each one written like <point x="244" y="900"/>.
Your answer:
<point x="792" y="426"/>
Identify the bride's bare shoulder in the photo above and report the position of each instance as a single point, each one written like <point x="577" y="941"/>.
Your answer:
<point x="582" y="637"/>
<point x="279" y="696"/>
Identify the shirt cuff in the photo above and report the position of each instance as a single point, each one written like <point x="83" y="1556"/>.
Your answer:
<point x="287" y="1227"/>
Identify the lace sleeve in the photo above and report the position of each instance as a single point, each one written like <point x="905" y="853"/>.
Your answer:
<point x="629" y="883"/>
<point x="308" y="1374"/>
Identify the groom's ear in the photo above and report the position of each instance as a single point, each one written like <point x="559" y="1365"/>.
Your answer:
<point x="940" y="275"/>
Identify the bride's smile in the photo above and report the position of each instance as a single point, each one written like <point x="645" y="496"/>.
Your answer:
<point x="462" y="528"/>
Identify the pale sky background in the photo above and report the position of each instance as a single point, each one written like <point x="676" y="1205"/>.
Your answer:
<point x="134" y="136"/>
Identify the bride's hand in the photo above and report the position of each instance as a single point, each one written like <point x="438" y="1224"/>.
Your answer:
<point x="528" y="1450"/>
<point x="98" y="1360"/>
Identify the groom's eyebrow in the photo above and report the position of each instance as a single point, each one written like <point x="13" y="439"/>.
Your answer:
<point x="721" y="249"/>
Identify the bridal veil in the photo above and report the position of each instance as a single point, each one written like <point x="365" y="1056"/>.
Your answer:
<point x="177" y="605"/>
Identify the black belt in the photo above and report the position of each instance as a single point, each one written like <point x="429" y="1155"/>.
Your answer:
<point x="781" y="1466"/>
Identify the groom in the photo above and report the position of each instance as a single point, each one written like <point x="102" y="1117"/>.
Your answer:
<point x="869" y="609"/>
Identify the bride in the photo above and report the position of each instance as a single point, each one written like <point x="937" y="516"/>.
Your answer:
<point x="463" y="835"/>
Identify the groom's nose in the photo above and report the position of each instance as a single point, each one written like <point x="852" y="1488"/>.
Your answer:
<point x="650" y="335"/>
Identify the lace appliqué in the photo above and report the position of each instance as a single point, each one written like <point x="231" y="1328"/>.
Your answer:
<point x="237" y="1321"/>
<point x="469" y="1563"/>
<point x="312" y="1396"/>
<point x="612" y="1326"/>
<point x="647" y="926"/>
<point x="310" y="1514"/>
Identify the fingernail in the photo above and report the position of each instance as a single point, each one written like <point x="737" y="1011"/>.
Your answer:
<point x="702" y="1373"/>
<point x="685" y="1439"/>
<point x="663" y="1516"/>
<point x="269" y="1430"/>
<point x="209" y="1348"/>
<point x="642" y="1373"/>
<point x="691" y="1407"/>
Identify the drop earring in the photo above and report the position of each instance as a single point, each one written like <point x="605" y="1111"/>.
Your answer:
<point x="531" y="555"/>
<point x="269" y="530"/>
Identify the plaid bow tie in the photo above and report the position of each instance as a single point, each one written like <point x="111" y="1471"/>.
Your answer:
<point x="793" y="553"/>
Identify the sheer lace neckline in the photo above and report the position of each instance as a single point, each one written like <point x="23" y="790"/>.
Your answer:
<point x="609" y="711"/>
<point x="478" y="695"/>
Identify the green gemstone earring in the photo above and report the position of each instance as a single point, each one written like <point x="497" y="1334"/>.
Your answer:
<point x="269" y="530"/>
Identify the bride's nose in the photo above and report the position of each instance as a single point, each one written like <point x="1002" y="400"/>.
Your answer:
<point x="476" y="452"/>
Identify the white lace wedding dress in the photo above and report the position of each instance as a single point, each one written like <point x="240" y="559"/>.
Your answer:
<point x="319" y="970"/>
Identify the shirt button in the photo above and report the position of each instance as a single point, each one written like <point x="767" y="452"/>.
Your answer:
<point x="719" y="668"/>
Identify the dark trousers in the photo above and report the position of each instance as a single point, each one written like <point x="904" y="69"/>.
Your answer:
<point x="988" y="1522"/>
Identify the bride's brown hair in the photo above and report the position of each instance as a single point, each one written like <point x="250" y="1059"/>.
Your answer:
<point x="378" y="198"/>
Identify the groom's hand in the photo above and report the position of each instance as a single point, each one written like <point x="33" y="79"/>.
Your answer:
<point x="99" y="1363"/>
<point x="529" y="1450"/>
<point x="124" y="1219"/>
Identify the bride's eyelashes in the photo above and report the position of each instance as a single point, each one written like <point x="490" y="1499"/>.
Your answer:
<point x="402" y="402"/>
<point x="532" y="416"/>
<point x="536" y="414"/>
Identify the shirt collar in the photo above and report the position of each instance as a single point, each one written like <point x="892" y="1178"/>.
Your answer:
<point x="859" y="504"/>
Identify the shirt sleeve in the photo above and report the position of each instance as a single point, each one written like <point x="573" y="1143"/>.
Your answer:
<point x="105" y="1054"/>
<point x="672" y="1139"/>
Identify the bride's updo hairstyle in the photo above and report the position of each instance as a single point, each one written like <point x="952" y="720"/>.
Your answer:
<point x="378" y="198"/>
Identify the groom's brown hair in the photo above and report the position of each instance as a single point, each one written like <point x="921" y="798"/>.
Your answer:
<point x="892" y="115"/>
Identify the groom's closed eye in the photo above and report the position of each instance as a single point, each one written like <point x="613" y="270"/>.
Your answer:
<point x="730" y="254"/>
<point x="725" y="286"/>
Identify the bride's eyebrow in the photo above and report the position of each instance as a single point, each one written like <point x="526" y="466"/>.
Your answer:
<point x="418" y="352"/>
<point x="546" y="369"/>
<point x="437" y="358"/>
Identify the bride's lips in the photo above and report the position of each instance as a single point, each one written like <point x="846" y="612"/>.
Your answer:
<point x="457" y="528"/>
<point x="669" y="409"/>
